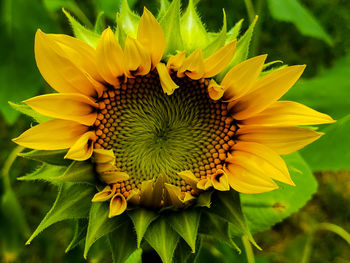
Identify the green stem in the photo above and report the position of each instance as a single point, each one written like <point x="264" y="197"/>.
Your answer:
<point x="248" y="249"/>
<point x="307" y="249"/>
<point x="250" y="9"/>
<point x="7" y="165"/>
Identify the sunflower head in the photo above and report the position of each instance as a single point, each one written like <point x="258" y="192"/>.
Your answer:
<point x="165" y="113"/>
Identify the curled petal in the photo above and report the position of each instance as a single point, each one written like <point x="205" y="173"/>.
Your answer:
<point x="166" y="81"/>
<point x="193" y="66"/>
<point x="176" y="61"/>
<point x="137" y="58"/>
<point x="204" y="184"/>
<point x="117" y="205"/>
<point x="189" y="178"/>
<point x="220" y="180"/>
<point x="82" y="149"/>
<point x="104" y="195"/>
<point x="215" y="90"/>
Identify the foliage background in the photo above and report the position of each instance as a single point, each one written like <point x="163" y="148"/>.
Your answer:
<point x="314" y="32"/>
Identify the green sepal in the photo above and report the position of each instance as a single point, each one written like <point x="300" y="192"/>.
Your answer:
<point x="164" y="6"/>
<point x="228" y="207"/>
<point x="186" y="224"/>
<point x="100" y="23"/>
<point x="204" y="199"/>
<point x="234" y="31"/>
<point x="170" y="23"/>
<point x="79" y="172"/>
<point x="123" y="242"/>
<point x="242" y="49"/>
<point x="163" y="239"/>
<point x="26" y="110"/>
<point x="183" y="252"/>
<point x="193" y="31"/>
<point x="128" y="20"/>
<point x="135" y="257"/>
<point x="79" y="233"/>
<point x="120" y="32"/>
<point x="55" y="157"/>
<point x="73" y="202"/>
<point x="46" y="172"/>
<point x="218" y="41"/>
<point x="141" y="219"/>
<point x="88" y="36"/>
<point x="99" y="224"/>
<point x="213" y="226"/>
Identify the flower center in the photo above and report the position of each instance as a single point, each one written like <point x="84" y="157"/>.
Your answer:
<point x="152" y="133"/>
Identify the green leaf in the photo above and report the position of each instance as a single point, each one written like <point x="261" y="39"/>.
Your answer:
<point x="25" y="109"/>
<point x="79" y="233"/>
<point x="99" y="224"/>
<point x="242" y="49"/>
<point x="79" y="172"/>
<point x="293" y="11"/>
<point x="328" y="92"/>
<point x="164" y="6"/>
<point x="331" y="151"/>
<point x="55" y="157"/>
<point x="218" y="42"/>
<point x="123" y="244"/>
<point x="163" y="239"/>
<point x="228" y="207"/>
<point x="213" y="226"/>
<point x="72" y="202"/>
<point x="135" y="257"/>
<point x="170" y="23"/>
<point x="183" y="252"/>
<point x="128" y="21"/>
<point x="264" y="210"/>
<point x="100" y="23"/>
<point x="186" y="224"/>
<point x="141" y="218"/>
<point x="193" y="31"/>
<point x="46" y="172"/>
<point x="81" y="32"/>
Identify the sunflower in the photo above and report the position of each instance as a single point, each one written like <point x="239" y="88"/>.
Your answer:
<point x="160" y="127"/>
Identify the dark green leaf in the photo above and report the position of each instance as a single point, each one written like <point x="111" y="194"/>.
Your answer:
<point x="293" y="11"/>
<point x="218" y="42"/>
<point x="123" y="243"/>
<point x="79" y="172"/>
<point x="141" y="218"/>
<point x="73" y="202"/>
<point x="265" y="210"/>
<point x="331" y="151"/>
<point x="135" y="257"/>
<point x="46" y="172"/>
<point x="79" y="233"/>
<point x="55" y="157"/>
<point x="163" y="239"/>
<point x="186" y="224"/>
<point x="99" y="224"/>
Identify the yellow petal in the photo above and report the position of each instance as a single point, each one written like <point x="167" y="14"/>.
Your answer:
<point x="117" y="205"/>
<point x="248" y="181"/>
<point x="267" y="90"/>
<point x="219" y="60"/>
<point x="220" y="180"/>
<point x="186" y="197"/>
<point x="73" y="107"/>
<point x="138" y="61"/>
<point x="241" y="78"/>
<point x="215" y="90"/>
<point x="62" y="71"/>
<point x="82" y="149"/>
<point x="193" y="66"/>
<point x="172" y="194"/>
<point x="146" y="192"/>
<point x="51" y="135"/>
<point x="166" y="81"/>
<point x="176" y="61"/>
<point x="134" y="197"/>
<point x="104" y="195"/>
<point x="283" y="140"/>
<point x="110" y="57"/>
<point x="269" y="161"/>
<point x="151" y="36"/>
<point x="189" y="178"/>
<point x="204" y="184"/>
<point x="104" y="156"/>
<point x="288" y="113"/>
<point x="113" y="176"/>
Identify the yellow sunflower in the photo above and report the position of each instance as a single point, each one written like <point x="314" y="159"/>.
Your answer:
<point x="159" y="128"/>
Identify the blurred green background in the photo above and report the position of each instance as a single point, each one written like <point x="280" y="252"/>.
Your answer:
<point x="312" y="32"/>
